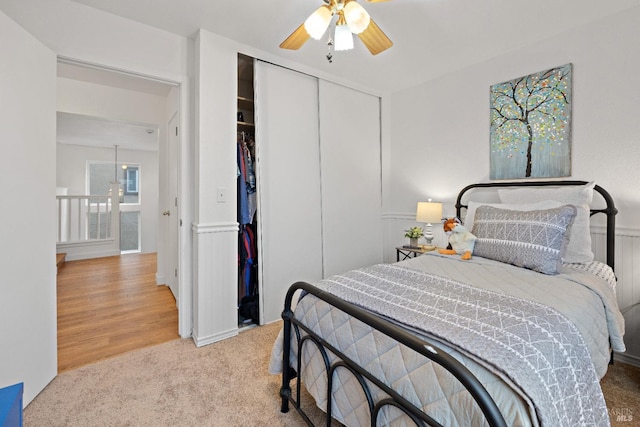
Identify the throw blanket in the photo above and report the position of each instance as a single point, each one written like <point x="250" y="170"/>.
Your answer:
<point x="533" y="345"/>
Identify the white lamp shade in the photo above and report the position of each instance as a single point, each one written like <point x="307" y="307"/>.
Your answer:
<point x="357" y="18"/>
<point x="318" y="22"/>
<point x="343" y="38"/>
<point x="429" y="212"/>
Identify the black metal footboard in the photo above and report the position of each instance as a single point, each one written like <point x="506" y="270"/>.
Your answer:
<point x="459" y="371"/>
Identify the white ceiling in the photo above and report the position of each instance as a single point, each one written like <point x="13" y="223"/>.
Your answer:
<point x="78" y="129"/>
<point x="431" y="37"/>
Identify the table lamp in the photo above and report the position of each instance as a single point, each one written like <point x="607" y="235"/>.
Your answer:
<point x="429" y="212"/>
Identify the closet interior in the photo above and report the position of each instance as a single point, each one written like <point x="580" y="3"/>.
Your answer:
<point x="248" y="300"/>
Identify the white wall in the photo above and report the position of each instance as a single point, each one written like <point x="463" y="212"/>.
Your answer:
<point x="440" y="129"/>
<point x="71" y="172"/>
<point x="111" y="103"/>
<point x="215" y="227"/>
<point x="216" y="104"/>
<point x="27" y="218"/>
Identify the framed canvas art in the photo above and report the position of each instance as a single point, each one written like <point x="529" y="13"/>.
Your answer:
<point x="531" y="126"/>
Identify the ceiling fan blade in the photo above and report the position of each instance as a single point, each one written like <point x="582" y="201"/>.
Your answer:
<point x="375" y="39"/>
<point x="296" y="39"/>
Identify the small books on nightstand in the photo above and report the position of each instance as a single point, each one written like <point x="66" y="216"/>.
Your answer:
<point x="422" y="248"/>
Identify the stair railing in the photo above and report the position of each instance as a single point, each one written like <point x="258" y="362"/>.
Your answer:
<point x="89" y="219"/>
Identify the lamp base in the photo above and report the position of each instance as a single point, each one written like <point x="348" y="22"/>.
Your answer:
<point x="428" y="236"/>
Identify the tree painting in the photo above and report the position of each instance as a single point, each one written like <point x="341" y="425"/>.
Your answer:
<point x="531" y="126"/>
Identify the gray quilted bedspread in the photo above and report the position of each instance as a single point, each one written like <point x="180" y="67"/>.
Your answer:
<point x="539" y="343"/>
<point x="535" y="346"/>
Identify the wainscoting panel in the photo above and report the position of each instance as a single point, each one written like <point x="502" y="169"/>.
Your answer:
<point x="626" y="260"/>
<point x="628" y="287"/>
<point x="215" y="292"/>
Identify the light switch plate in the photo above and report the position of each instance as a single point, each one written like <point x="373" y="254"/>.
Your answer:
<point x="222" y="195"/>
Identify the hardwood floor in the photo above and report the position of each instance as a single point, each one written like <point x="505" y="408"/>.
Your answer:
<point x="108" y="306"/>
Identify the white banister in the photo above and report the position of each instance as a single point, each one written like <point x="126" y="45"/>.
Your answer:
<point x="115" y="213"/>
<point x="89" y="225"/>
<point x="86" y="218"/>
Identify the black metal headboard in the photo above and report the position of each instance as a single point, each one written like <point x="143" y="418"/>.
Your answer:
<point x="610" y="210"/>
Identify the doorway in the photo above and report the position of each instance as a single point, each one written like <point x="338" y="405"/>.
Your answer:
<point x="122" y="104"/>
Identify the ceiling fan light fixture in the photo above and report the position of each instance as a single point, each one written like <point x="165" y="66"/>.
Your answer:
<point x="318" y="22"/>
<point x="356" y="16"/>
<point x="343" y="37"/>
<point x="352" y="19"/>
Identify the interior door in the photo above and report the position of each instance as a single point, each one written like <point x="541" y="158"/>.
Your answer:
<point x="288" y="182"/>
<point x="171" y="211"/>
<point x="28" y="225"/>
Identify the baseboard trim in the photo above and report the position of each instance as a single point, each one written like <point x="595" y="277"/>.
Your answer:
<point x="626" y="358"/>
<point x="160" y="279"/>
<point x="214" y="338"/>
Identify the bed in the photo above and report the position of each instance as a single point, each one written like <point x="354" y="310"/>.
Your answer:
<point x="520" y="334"/>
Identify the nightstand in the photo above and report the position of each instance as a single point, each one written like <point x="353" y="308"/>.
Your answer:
<point x="411" y="252"/>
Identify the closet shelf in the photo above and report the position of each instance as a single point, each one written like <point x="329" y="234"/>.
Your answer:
<point x="245" y="103"/>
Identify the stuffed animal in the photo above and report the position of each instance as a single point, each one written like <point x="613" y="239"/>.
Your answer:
<point x="460" y="239"/>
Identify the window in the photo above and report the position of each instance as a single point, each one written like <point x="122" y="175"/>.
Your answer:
<point x="131" y="180"/>
<point x="101" y="175"/>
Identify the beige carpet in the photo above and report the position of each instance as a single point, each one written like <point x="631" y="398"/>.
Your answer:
<point x="621" y="388"/>
<point x="170" y="384"/>
<point x="223" y="384"/>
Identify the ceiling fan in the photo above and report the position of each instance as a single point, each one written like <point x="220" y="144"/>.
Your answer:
<point x="352" y="19"/>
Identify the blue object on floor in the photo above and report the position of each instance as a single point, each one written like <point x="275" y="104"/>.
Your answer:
<point x="11" y="406"/>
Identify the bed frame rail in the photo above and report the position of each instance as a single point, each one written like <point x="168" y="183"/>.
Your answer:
<point x="428" y="350"/>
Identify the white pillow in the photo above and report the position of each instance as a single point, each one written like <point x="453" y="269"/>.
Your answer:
<point x="579" y="249"/>
<point x="472" y="206"/>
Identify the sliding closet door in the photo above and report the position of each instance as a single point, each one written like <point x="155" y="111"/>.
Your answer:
<point x="351" y="178"/>
<point x="288" y="174"/>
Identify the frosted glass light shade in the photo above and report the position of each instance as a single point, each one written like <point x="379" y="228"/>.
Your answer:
<point x="357" y="18"/>
<point x="429" y="212"/>
<point x="343" y="38"/>
<point x="318" y="22"/>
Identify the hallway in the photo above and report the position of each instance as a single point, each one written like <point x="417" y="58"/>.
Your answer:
<point x="108" y="306"/>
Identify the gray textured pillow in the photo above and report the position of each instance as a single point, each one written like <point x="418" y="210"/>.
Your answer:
<point x="535" y="240"/>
